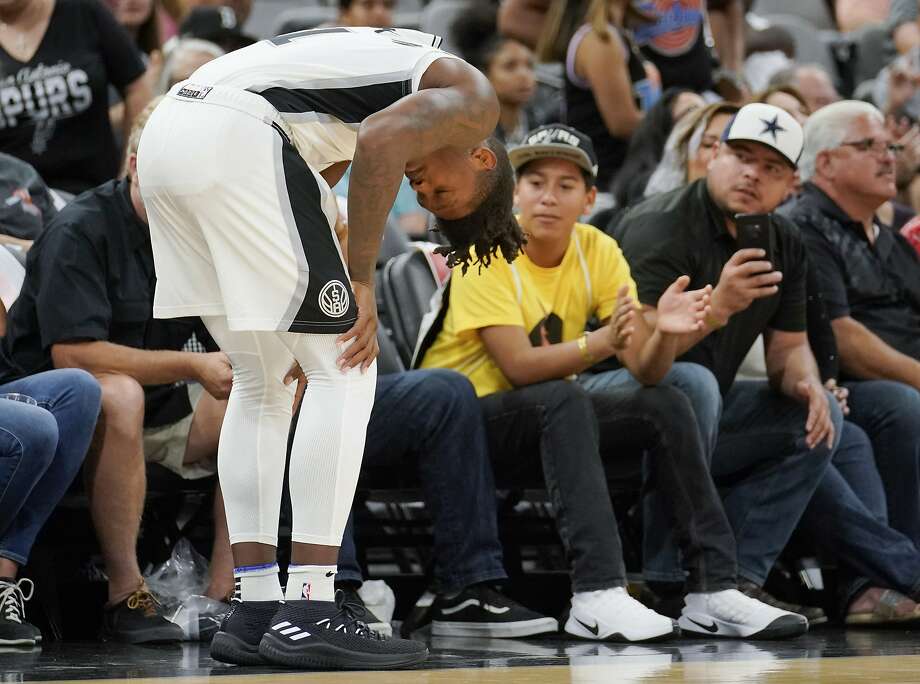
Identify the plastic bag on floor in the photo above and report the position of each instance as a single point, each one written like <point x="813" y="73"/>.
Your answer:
<point x="185" y="574"/>
<point x="179" y="585"/>
<point x="200" y="617"/>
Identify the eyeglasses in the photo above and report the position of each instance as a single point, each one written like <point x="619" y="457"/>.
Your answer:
<point x="877" y="147"/>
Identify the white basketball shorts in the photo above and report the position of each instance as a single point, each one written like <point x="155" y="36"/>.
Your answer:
<point x="240" y="225"/>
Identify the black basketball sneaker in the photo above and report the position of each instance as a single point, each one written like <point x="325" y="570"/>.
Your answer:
<point x="237" y="642"/>
<point x="333" y="635"/>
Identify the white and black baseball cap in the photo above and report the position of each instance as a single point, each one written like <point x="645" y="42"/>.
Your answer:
<point x="770" y="126"/>
<point x="555" y="141"/>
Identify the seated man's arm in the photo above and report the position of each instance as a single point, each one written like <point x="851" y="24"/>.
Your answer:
<point x="524" y="364"/>
<point x="148" y="367"/>
<point x="792" y="370"/>
<point x="864" y="354"/>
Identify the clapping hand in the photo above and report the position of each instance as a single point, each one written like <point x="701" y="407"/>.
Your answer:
<point x="681" y="311"/>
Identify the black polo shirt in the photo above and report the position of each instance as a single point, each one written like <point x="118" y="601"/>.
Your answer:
<point x="683" y="233"/>
<point x="877" y="285"/>
<point x="90" y="276"/>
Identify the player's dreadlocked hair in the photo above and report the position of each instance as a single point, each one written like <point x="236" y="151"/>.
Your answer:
<point x="491" y="227"/>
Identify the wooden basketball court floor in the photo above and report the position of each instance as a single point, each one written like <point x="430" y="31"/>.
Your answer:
<point x="833" y="656"/>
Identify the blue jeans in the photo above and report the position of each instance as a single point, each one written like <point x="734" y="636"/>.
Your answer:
<point x="661" y="558"/>
<point x="889" y="412"/>
<point x="847" y="517"/>
<point x="765" y="471"/>
<point x="679" y="494"/>
<point x="431" y="421"/>
<point x="41" y="450"/>
<point x="755" y="439"/>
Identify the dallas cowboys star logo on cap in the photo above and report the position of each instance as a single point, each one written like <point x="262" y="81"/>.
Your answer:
<point x="772" y="127"/>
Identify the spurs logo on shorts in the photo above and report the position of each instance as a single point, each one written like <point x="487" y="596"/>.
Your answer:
<point x="333" y="299"/>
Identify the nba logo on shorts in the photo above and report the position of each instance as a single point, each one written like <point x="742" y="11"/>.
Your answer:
<point x="307" y="590"/>
<point x="333" y="299"/>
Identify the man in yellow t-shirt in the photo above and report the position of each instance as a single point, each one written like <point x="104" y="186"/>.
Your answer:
<point x="518" y="332"/>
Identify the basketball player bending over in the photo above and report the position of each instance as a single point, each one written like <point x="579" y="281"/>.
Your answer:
<point x="235" y="168"/>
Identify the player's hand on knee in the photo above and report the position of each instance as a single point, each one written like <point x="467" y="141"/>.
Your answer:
<point x="363" y="334"/>
<point x="215" y="373"/>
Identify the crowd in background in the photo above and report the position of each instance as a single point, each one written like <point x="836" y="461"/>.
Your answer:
<point x="654" y="90"/>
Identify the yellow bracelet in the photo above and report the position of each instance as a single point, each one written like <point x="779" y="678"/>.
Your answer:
<point x="714" y="322"/>
<point x="583" y="348"/>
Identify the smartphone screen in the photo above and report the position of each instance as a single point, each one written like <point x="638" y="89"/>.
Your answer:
<point x="755" y="231"/>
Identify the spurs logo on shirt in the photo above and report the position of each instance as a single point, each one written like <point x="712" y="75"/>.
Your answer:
<point x="43" y="94"/>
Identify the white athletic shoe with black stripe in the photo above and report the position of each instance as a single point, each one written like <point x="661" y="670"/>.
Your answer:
<point x="730" y="613"/>
<point x="323" y="634"/>
<point x="479" y="611"/>
<point x="614" y="615"/>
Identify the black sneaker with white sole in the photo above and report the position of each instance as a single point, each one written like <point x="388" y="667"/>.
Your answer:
<point x="14" y="629"/>
<point x="333" y="635"/>
<point x="237" y="641"/>
<point x="480" y="611"/>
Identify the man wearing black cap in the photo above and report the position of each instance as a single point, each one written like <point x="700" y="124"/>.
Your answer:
<point x="772" y="444"/>
<point x="518" y="332"/>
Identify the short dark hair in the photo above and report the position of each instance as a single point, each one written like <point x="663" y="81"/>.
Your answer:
<point x="491" y="226"/>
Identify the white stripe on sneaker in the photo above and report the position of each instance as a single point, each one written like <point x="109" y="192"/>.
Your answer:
<point x="281" y="625"/>
<point x="290" y="630"/>
<point x="475" y="602"/>
<point x="298" y="637"/>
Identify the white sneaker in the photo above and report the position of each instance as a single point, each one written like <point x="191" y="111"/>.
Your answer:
<point x="730" y="613"/>
<point x="614" y="615"/>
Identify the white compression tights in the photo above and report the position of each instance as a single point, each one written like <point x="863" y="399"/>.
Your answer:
<point x="328" y="442"/>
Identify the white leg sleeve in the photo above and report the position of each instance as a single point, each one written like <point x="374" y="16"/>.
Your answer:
<point x="329" y="441"/>
<point x="253" y="439"/>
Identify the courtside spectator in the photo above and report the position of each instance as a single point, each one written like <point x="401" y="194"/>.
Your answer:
<point x="608" y="86"/>
<point x="676" y="43"/>
<point x="690" y="147"/>
<point x="377" y="13"/>
<point x="86" y="303"/>
<point x="141" y="20"/>
<point x="788" y="99"/>
<point x="869" y="279"/>
<point x="647" y="143"/>
<point x="47" y="422"/>
<point x="508" y="64"/>
<point x="185" y="56"/>
<point x="673" y="37"/>
<point x="772" y="443"/>
<point x="429" y="421"/>
<point x="217" y="24"/>
<point x="869" y="275"/>
<point x="518" y="332"/>
<point x="66" y="134"/>
<point x="812" y="82"/>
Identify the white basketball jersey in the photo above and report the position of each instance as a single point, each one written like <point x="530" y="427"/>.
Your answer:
<point x="326" y="81"/>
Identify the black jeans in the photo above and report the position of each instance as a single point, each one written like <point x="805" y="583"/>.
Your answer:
<point x="430" y="421"/>
<point x="564" y="430"/>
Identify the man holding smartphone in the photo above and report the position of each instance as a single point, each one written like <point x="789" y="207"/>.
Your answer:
<point x="770" y="443"/>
